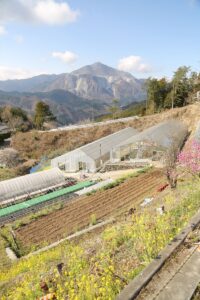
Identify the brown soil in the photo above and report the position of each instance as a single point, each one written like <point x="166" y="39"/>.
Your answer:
<point x="77" y="213"/>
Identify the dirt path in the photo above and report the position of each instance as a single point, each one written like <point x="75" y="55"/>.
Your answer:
<point x="77" y="214"/>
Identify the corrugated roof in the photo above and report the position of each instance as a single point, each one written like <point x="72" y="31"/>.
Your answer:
<point x="30" y="183"/>
<point x="102" y="146"/>
<point x="161" y="134"/>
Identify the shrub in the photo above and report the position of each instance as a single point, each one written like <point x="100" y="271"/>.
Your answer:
<point x="93" y="219"/>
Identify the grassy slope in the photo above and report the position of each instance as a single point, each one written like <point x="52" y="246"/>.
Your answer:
<point x="4" y="260"/>
<point x="36" y="144"/>
<point x="99" y="268"/>
<point x="6" y="173"/>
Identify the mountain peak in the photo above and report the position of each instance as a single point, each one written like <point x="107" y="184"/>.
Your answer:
<point x="98" y="63"/>
<point x="94" y="82"/>
<point x="97" y="69"/>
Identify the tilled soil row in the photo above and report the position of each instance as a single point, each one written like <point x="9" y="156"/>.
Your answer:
<point x="101" y="203"/>
<point x="82" y="219"/>
<point x="77" y="214"/>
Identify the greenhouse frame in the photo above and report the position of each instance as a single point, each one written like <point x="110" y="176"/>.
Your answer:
<point x="28" y="185"/>
<point x="92" y="156"/>
<point x="152" y="143"/>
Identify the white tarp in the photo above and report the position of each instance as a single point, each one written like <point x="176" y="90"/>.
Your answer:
<point x="95" y="187"/>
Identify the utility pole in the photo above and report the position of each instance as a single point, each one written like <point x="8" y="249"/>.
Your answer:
<point x="173" y="94"/>
<point x="146" y="104"/>
<point x="92" y="112"/>
<point x="100" y="154"/>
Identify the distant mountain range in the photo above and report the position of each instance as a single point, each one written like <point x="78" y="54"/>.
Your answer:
<point x="74" y="96"/>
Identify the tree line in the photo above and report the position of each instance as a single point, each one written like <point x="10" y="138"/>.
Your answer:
<point x="18" y="120"/>
<point x="177" y="92"/>
<point x="161" y="94"/>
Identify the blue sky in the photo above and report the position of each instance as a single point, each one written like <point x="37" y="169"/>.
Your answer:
<point x="144" y="37"/>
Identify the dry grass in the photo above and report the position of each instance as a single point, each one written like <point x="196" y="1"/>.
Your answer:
<point x="36" y="144"/>
<point x="6" y="173"/>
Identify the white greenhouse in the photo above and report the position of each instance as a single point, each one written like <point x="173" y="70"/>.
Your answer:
<point x="92" y="156"/>
<point x="18" y="188"/>
<point x="151" y="143"/>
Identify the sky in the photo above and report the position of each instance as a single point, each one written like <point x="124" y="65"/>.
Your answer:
<point x="143" y="37"/>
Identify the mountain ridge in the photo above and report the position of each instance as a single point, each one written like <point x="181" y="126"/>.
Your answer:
<point x="74" y="96"/>
<point x="62" y="103"/>
<point x="96" y="81"/>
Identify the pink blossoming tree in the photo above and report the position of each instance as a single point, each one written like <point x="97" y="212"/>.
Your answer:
<point x="189" y="158"/>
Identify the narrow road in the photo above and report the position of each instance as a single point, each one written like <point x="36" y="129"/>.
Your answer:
<point x="185" y="281"/>
<point x="179" y="277"/>
<point x="92" y="124"/>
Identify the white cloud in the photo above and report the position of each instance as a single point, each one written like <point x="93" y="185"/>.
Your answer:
<point x="133" y="64"/>
<point x="50" y="12"/>
<point x="17" y="73"/>
<point x="66" y="57"/>
<point x="2" y="30"/>
<point x="19" y="39"/>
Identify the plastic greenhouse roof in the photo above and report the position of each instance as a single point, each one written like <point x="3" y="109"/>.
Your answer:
<point x="104" y="145"/>
<point x="161" y="134"/>
<point x="26" y="204"/>
<point x="30" y="183"/>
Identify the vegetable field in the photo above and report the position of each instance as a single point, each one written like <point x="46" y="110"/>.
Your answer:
<point x="78" y="213"/>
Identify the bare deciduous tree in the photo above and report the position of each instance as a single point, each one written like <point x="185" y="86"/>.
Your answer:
<point x="171" y="156"/>
<point x="9" y="158"/>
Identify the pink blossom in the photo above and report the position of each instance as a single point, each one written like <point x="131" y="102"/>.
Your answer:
<point x="190" y="157"/>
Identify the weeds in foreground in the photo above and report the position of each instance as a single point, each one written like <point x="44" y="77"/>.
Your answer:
<point x="93" y="219"/>
<point x="101" y="270"/>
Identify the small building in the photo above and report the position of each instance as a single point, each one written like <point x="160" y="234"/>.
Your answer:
<point x="4" y="129"/>
<point x="152" y="143"/>
<point x="20" y="187"/>
<point x="92" y="156"/>
<point x="4" y="132"/>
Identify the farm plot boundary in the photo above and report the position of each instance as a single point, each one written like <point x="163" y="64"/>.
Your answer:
<point x="77" y="214"/>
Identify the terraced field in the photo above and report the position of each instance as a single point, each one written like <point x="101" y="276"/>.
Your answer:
<point x="77" y="213"/>
<point x="15" y="211"/>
